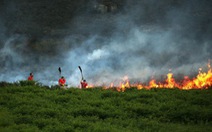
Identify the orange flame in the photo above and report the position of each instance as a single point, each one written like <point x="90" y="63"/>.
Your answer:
<point x="202" y="81"/>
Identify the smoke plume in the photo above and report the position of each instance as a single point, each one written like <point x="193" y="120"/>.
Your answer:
<point x="138" y="39"/>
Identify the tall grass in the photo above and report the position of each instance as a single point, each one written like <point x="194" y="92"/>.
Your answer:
<point x="31" y="107"/>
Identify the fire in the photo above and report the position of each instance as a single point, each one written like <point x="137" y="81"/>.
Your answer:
<point x="125" y="84"/>
<point x="153" y="84"/>
<point x="202" y="81"/>
<point x="89" y="86"/>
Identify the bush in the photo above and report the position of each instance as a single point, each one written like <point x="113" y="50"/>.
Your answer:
<point x="5" y="84"/>
<point x="27" y="83"/>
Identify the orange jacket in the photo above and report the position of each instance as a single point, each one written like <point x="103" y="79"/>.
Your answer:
<point x="84" y="84"/>
<point x="62" y="81"/>
<point x="30" y="78"/>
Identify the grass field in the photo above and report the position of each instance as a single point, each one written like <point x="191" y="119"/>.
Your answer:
<point x="32" y="108"/>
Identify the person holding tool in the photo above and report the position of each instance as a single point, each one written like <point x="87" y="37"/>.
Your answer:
<point x="83" y="82"/>
<point x="62" y="80"/>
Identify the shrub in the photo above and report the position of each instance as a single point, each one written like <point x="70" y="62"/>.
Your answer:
<point x="6" y="118"/>
<point x="27" y="83"/>
<point x="5" y="84"/>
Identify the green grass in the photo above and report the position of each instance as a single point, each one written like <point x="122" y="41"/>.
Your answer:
<point x="32" y="107"/>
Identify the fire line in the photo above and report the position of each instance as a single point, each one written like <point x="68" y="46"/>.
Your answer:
<point x="202" y="81"/>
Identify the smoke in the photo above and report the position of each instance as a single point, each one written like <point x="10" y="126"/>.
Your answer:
<point x="140" y="39"/>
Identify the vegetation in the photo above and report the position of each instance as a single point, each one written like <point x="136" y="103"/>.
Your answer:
<point x="33" y="107"/>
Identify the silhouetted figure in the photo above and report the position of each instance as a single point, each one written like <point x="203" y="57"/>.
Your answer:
<point x="30" y="78"/>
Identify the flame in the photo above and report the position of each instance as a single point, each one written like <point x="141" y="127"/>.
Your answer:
<point x="89" y="86"/>
<point x="153" y="84"/>
<point x="124" y="84"/>
<point x="203" y="80"/>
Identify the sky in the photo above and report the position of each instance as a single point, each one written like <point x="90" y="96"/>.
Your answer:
<point x="138" y="39"/>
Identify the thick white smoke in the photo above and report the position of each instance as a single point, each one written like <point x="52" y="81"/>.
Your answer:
<point x="141" y="41"/>
<point x="140" y="56"/>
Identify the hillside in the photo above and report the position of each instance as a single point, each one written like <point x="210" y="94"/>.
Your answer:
<point x="38" y="108"/>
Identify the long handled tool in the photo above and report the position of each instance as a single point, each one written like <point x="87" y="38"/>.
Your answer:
<point x="81" y="72"/>
<point x="59" y="69"/>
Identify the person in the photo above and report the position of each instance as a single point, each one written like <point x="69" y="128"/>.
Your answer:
<point x="84" y="84"/>
<point x="62" y="81"/>
<point x="30" y="78"/>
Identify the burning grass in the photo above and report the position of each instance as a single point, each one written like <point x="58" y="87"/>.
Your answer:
<point x="37" y="108"/>
<point x="203" y="80"/>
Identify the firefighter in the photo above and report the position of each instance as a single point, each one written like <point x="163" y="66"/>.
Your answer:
<point x="30" y="78"/>
<point x="84" y="84"/>
<point x="62" y="81"/>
